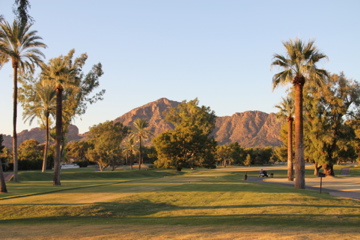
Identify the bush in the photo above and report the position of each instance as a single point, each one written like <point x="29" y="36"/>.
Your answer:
<point x="30" y="165"/>
<point x="82" y="164"/>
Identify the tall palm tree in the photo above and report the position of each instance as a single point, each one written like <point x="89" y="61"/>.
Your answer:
<point x="140" y="133"/>
<point x="286" y="110"/>
<point x="21" y="46"/>
<point x="38" y="101"/>
<point x="299" y="66"/>
<point x="60" y="73"/>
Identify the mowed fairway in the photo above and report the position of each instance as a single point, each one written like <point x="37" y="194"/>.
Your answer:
<point x="163" y="204"/>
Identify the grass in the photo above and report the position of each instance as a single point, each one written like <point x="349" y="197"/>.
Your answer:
<point x="163" y="204"/>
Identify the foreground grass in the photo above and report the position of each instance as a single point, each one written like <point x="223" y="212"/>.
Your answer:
<point x="196" y="204"/>
<point x="179" y="232"/>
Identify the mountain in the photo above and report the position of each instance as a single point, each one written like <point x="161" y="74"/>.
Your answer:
<point x="39" y="135"/>
<point x="152" y="111"/>
<point x="249" y="129"/>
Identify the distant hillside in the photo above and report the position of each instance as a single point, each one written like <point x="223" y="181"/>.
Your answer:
<point x="249" y="129"/>
<point x="152" y="111"/>
<point x="39" y="135"/>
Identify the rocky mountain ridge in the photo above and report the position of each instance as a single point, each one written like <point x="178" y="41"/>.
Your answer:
<point x="249" y="129"/>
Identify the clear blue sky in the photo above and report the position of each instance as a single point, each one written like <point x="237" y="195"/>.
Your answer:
<point x="217" y="50"/>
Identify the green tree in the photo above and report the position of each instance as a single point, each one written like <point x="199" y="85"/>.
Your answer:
<point x="3" y="188"/>
<point x="60" y="75"/>
<point x="229" y="154"/>
<point x="129" y="149"/>
<point x="355" y="125"/>
<point x="190" y="143"/>
<point x="78" y="150"/>
<point x="105" y="139"/>
<point x="38" y="99"/>
<point x="223" y="155"/>
<point x="280" y="154"/>
<point x="29" y="150"/>
<point x="140" y="132"/>
<point x="299" y="66"/>
<point x="73" y="89"/>
<point x="22" y="46"/>
<point x="248" y="160"/>
<point x="190" y="114"/>
<point x="286" y="111"/>
<point x="327" y="110"/>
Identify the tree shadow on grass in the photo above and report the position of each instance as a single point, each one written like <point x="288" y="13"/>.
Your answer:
<point x="142" y="213"/>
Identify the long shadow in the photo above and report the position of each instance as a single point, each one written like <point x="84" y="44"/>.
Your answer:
<point x="139" y="213"/>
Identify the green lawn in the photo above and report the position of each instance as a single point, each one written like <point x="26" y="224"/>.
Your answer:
<point x="165" y="199"/>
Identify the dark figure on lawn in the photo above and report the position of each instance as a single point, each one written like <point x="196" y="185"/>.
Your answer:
<point x="263" y="173"/>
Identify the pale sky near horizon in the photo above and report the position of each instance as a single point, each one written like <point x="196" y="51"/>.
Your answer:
<point x="219" y="51"/>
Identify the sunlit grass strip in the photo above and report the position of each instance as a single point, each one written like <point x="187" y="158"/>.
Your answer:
<point x="203" y="198"/>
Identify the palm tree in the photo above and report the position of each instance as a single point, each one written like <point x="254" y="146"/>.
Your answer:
<point x="21" y="46"/>
<point x="22" y="11"/>
<point x="299" y="66"/>
<point x="286" y="110"/>
<point x="38" y="101"/>
<point x="140" y="133"/>
<point x="129" y="149"/>
<point x="60" y="73"/>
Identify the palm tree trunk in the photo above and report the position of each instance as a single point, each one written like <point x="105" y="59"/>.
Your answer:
<point x="140" y="155"/>
<point x="14" y="142"/>
<point x="46" y="144"/>
<point x="299" y="138"/>
<point x="131" y="162"/>
<point x="58" y="127"/>
<point x="3" y="188"/>
<point x="290" y="151"/>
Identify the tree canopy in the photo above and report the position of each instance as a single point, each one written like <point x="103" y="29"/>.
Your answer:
<point x="190" y="143"/>
<point x="105" y="139"/>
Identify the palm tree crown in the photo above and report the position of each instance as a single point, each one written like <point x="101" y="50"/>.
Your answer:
<point x="40" y="103"/>
<point x="299" y="64"/>
<point x="286" y="109"/>
<point x="20" y="45"/>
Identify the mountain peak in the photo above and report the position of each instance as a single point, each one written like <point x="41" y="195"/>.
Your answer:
<point x="249" y="129"/>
